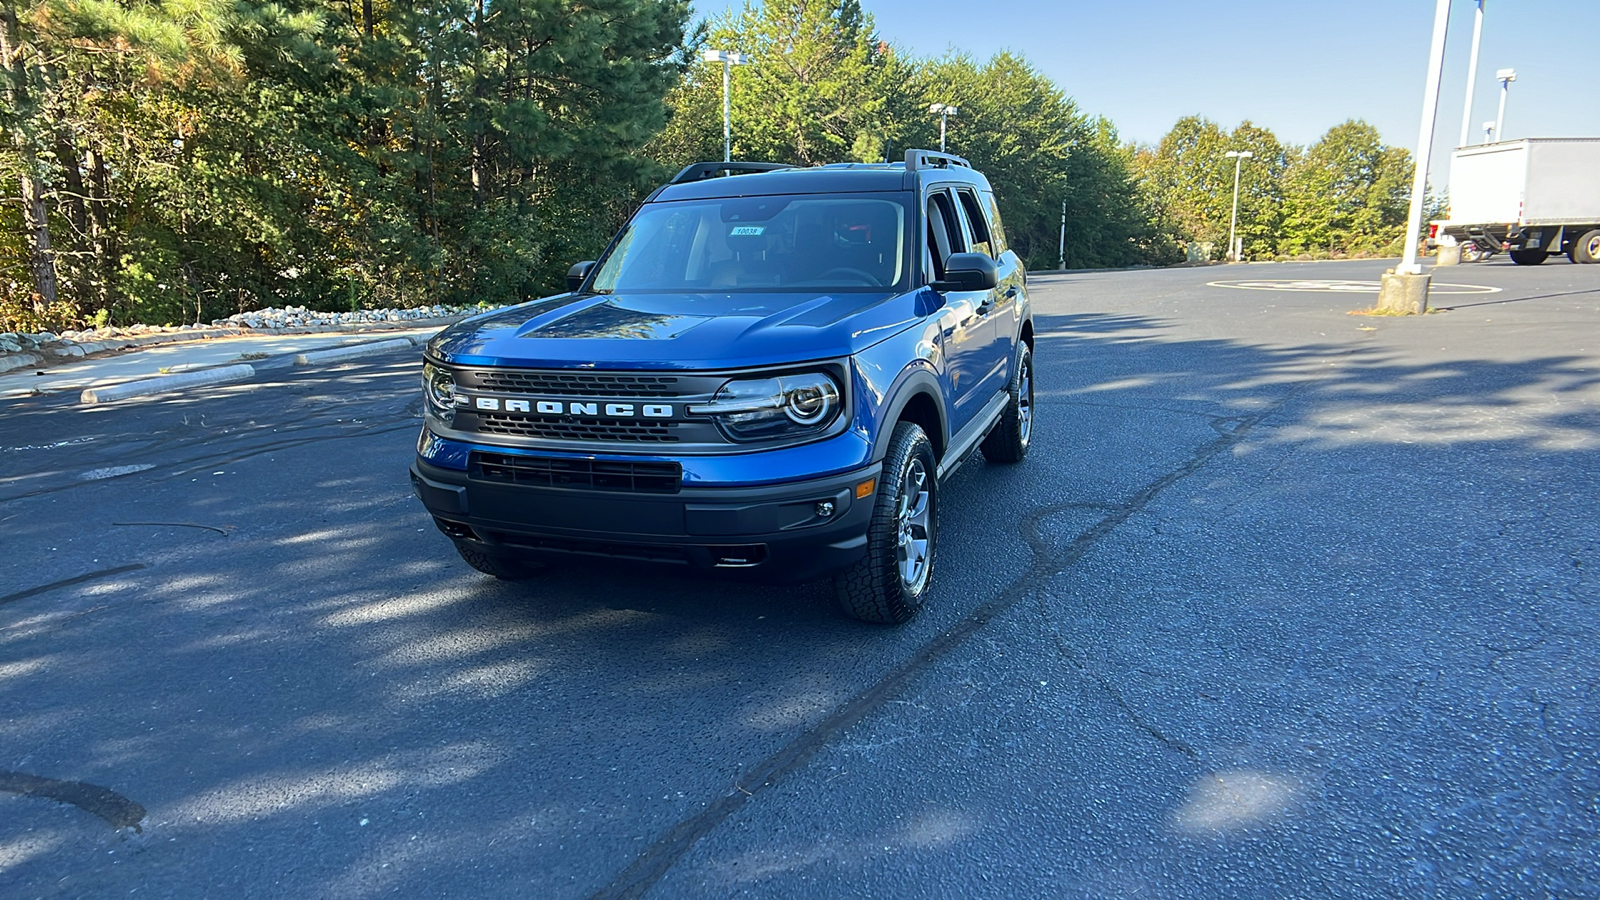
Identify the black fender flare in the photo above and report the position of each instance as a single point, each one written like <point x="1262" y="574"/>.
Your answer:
<point x="911" y="383"/>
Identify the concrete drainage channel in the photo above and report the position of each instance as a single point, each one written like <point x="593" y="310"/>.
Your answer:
<point x="231" y="373"/>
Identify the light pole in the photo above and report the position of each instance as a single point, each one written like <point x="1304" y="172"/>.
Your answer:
<point x="729" y="59"/>
<point x="1505" y="77"/>
<point x="1238" y="157"/>
<point x="1407" y="291"/>
<point x="1488" y="132"/>
<point x="1061" y="254"/>
<point x="1472" y="74"/>
<point x="945" y="111"/>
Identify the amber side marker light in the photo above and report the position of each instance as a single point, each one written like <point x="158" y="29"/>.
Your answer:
<point x="864" y="489"/>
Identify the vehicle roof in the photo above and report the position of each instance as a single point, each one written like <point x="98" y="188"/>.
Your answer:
<point x="840" y="178"/>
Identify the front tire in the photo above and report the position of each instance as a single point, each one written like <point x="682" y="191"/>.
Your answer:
<point x="889" y="584"/>
<point x="1529" y="257"/>
<point x="1008" y="442"/>
<point x="490" y="561"/>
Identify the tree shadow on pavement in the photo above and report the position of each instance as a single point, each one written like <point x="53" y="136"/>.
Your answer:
<point x="310" y="695"/>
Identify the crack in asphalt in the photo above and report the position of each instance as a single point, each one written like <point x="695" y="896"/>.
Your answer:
<point x="663" y="853"/>
<point x="109" y="805"/>
<point x="68" y="582"/>
<point x="1079" y="663"/>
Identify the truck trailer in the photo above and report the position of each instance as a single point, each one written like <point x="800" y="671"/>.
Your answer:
<point x="1531" y="198"/>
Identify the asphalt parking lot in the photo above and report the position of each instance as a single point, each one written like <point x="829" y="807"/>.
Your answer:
<point x="1284" y="603"/>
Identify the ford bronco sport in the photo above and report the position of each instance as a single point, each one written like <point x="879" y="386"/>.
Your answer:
<point x="770" y="369"/>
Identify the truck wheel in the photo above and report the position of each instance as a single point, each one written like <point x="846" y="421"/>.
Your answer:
<point x="493" y="562"/>
<point x="1586" y="249"/>
<point x="1529" y="257"/>
<point x="888" y="585"/>
<point x="1008" y="442"/>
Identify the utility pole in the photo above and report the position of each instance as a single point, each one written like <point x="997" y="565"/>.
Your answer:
<point x="1472" y="75"/>
<point x="729" y="59"/>
<point x="1238" y="157"/>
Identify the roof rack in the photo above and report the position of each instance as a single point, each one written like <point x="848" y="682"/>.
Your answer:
<point x="703" y="170"/>
<point x="932" y="159"/>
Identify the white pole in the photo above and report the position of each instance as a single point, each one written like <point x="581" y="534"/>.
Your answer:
<point x="1500" y="117"/>
<point x="1430" y="108"/>
<point x="727" y="109"/>
<point x="944" y="116"/>
<point x="1472" y="75"/>
<point x="1061" y="254"/>
<point x="1233" y="222"/>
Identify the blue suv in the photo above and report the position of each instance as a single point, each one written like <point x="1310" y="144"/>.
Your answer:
<point x="770" y="370"/>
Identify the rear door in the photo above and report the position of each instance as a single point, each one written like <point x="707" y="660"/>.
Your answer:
<point x="999" y="308"/>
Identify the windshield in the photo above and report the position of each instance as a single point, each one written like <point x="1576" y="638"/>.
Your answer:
<point x="806" y="242"/>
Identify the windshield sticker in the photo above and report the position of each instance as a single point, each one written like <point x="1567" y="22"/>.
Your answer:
<point x="747" y="230"/>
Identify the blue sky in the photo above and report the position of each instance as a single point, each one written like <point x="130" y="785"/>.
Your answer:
<point x="1297" y="67"/>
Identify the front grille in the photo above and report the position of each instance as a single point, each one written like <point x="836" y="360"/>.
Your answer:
<point x="642" y="431"/>
<point x="581" y="474"/>
<point x="579" y="384"/>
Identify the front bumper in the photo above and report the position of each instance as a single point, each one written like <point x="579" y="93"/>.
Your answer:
<point x="777" y="532"/>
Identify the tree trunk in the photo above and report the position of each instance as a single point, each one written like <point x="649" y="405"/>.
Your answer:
<point x="101" y="237"/>
<point x="72" y="204"/>
<point x="478" y="127"/>
<point x="35" y="216"/>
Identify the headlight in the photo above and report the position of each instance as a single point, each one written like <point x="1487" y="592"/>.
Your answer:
<point x="760" y="409"/>
<point x="440" y="388"/>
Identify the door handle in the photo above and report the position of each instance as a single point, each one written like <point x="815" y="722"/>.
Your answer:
<point x="1012" y="292"/>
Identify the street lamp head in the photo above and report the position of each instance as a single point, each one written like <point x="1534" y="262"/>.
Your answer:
<point x="732" y="58"/>
<point x="1239" y="154"/>
<point x="1505" y="75"/>
<point x="943" y="109"/>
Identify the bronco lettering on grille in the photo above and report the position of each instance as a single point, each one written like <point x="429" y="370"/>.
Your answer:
<point x="570" y="408"/>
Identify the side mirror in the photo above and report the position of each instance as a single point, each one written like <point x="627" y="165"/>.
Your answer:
<point x="968" y="272"/>
<point x="577" y="274"/>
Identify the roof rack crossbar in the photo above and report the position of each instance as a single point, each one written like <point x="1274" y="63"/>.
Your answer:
<point x="932" y="159"/>
<point x="702" y="170"/>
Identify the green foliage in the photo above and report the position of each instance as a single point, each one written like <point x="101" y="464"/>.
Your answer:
<point x="821" y="87"/>
<point x="182" y="161"/>
<point x="1345" y="195"/>
<point x="1040" y="152"/>
<point x="202" y="158"/>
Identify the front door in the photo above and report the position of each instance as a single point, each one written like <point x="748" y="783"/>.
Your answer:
<point x="964" y="329"/>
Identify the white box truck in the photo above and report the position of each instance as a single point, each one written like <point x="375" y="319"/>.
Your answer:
<point x="1532" y="198"/>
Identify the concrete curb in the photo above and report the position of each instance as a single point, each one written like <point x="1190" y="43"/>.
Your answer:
<point x="55" y="355"/>
<point x="12" y="361"/>
<point x="166" y="383"/>
<point x="339" y="354"/>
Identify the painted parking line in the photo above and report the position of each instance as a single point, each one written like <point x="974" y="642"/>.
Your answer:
<point x="1346" y="287"/>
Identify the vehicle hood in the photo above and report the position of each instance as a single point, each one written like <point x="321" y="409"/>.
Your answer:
<point x="678" y="331"/>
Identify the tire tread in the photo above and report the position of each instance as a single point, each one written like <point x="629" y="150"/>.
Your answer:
<point x="870" y="590"/>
